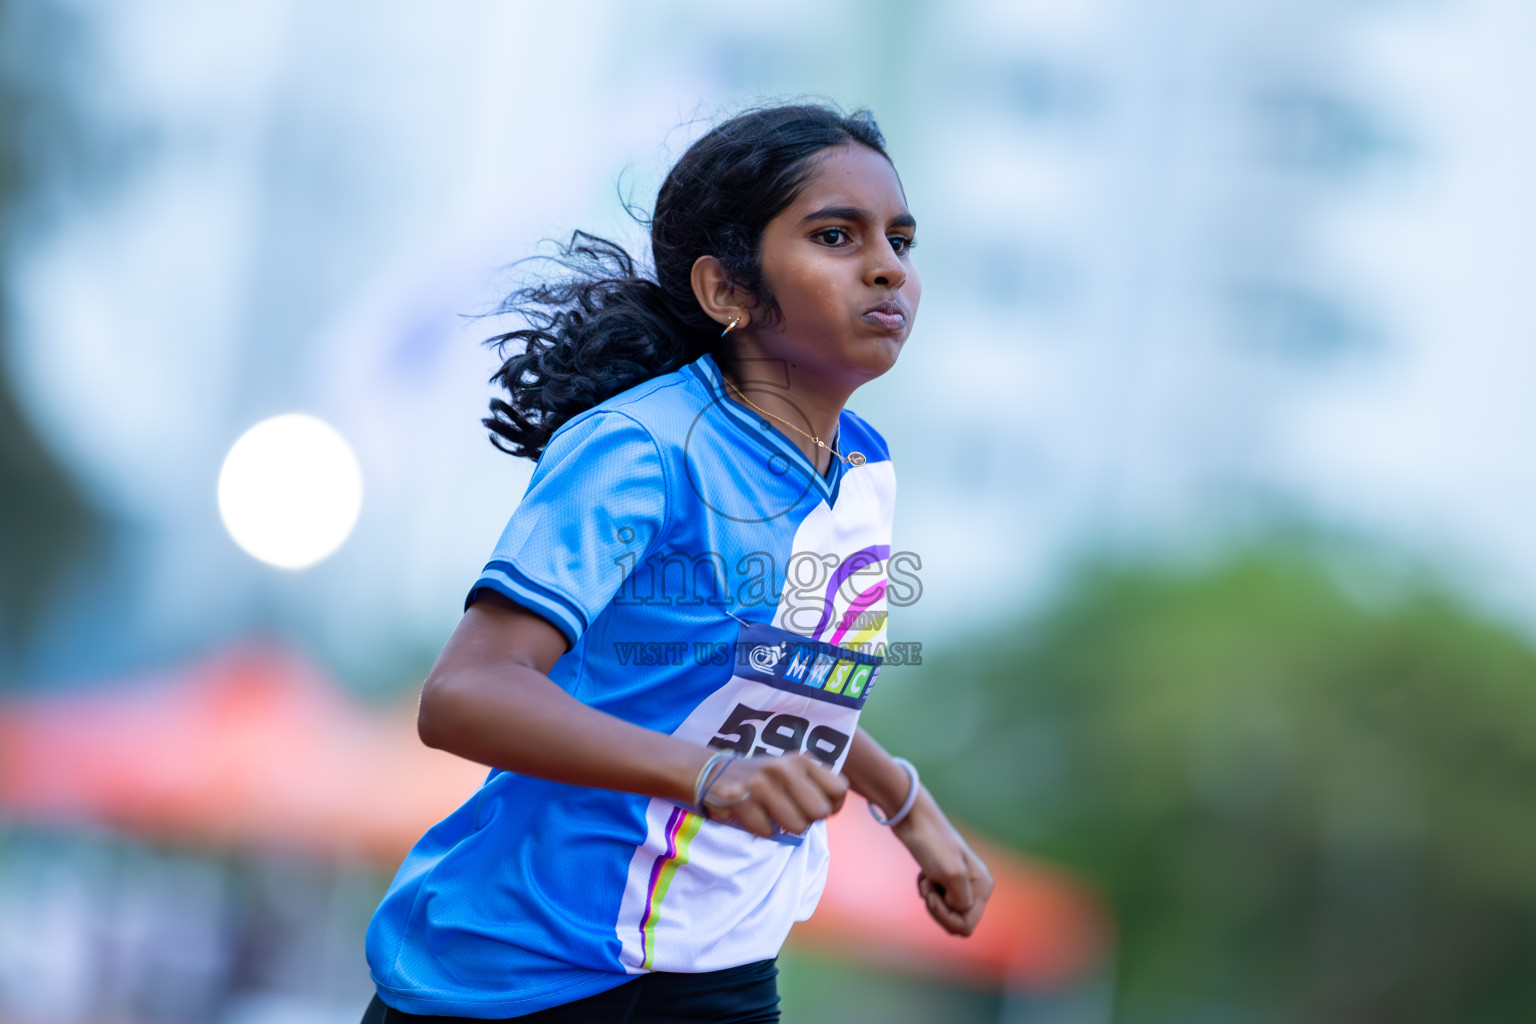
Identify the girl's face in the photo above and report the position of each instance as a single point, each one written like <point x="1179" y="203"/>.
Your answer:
<point x="838" y="261"/>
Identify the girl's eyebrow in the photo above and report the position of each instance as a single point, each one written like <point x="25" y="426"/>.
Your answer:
<point x="902" y="220"/>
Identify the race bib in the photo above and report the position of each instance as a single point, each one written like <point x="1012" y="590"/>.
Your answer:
<point x="787" y="694"/>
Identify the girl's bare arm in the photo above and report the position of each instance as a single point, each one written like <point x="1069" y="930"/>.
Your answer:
<point x="952" y="880"/>
<point x="489" y="699"/>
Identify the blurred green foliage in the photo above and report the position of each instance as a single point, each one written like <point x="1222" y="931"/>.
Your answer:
<point x="1308" y="792"/>
<point x="45" y="519"/>
<point x="817" y="989"/>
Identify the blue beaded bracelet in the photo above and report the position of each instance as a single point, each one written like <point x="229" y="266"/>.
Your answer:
<point x="708" y="776"/>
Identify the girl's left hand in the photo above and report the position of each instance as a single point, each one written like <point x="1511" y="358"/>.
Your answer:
<point x="953" y="881"/>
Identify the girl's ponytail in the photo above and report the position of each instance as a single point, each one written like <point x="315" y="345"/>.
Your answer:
<point x="604" y="327"/>
<point x="600" y="330"/>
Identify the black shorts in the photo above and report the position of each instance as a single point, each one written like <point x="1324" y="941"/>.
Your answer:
<point x="737" y="995"/>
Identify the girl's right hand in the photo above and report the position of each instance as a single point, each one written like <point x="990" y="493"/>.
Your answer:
<point x="765" y="795"/>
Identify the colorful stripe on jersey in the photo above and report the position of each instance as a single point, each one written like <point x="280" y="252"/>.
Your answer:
<point x="859" y="627"/>
<point x="867" y="559"/>
<point x="682" y="826"/>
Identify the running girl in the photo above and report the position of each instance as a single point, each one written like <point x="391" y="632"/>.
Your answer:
<point x="665" y="658"/>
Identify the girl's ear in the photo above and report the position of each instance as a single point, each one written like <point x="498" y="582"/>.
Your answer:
<point x="717" y="294"/>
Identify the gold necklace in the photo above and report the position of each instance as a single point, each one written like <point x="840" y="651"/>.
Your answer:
<point x="851" y="459"/>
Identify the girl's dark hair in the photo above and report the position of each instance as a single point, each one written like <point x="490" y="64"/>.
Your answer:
<point x="605" y="327"/>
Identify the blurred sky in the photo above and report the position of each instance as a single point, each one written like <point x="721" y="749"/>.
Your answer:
<point x="1191" y="267"/>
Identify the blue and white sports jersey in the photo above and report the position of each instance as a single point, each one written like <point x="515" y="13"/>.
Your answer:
<point x="711" y="585"/>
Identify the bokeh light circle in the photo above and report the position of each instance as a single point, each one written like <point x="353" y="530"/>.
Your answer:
<point x="290" y="490"/>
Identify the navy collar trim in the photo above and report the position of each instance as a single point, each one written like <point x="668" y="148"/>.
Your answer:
<point x="764" y="432"/>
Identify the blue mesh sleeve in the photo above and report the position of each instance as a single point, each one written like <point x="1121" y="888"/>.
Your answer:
<point x="598" y="493"/>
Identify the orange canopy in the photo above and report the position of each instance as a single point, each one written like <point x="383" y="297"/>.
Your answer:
<point x="257" y="749"/>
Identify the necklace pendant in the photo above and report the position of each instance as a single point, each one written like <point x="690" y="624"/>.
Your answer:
<point x="856" y="459"/>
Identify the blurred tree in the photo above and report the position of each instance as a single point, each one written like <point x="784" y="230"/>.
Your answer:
<point x="45" y="520"/>
<point x="1307" y="793"/>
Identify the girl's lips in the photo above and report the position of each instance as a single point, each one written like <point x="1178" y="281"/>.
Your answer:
<point x="890" y="321"/>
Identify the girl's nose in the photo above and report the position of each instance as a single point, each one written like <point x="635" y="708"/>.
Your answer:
<point x="885" y="267"/>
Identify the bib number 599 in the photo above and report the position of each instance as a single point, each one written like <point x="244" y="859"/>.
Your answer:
<point x="778" y="735"/>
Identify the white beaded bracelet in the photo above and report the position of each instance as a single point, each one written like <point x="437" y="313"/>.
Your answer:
<point x="906" y="805"/>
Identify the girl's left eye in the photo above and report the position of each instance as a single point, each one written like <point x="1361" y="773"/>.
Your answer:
<point x="901" y="243"/>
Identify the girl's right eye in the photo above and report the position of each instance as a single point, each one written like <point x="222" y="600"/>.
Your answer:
<point x="825" y="235"/>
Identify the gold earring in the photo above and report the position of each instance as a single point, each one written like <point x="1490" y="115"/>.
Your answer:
<point x="730" y="326"/>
